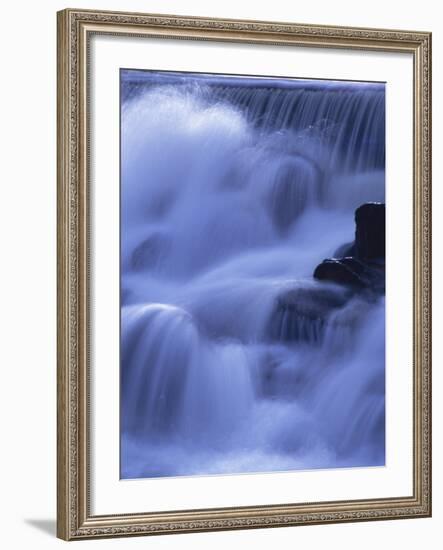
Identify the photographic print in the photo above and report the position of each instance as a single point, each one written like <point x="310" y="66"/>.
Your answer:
<point x="221" y="274"/>
<point x="252" y="274"/>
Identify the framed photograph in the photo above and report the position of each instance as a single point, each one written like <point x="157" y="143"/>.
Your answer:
<point x="243" y="274"/>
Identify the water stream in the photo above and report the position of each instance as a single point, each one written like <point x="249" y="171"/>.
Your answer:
<point x="232" y="191"/>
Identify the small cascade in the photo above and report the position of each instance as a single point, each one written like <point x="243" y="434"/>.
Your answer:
<point x="176" y="384"/>
<point x="159" y="344"/>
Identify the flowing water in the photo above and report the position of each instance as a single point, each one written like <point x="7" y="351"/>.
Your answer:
<point x="232" y="191"/>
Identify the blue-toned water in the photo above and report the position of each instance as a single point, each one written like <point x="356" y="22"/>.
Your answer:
<point x="232" y="191"/>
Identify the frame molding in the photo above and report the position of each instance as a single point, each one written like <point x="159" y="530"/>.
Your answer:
<point x="75" y="27"/>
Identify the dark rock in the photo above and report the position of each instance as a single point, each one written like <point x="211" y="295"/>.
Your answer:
<point x="361" y="264"/>
<point x="351" y="271"/>
<point x="301" y="313"/>
<point x="337" y="271"/>
<point x="370" y="231"/>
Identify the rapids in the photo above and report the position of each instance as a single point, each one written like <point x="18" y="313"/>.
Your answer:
<point x="232" y="191"/>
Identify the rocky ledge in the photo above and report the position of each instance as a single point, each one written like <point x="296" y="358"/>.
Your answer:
<point x="344" y="286"/>
<point x="361" y="263"/>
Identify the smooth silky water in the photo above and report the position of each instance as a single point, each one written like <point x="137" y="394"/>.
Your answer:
<point x="232" y="191"/>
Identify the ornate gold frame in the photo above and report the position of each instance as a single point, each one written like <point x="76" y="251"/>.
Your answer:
<point x="74" y="519"/>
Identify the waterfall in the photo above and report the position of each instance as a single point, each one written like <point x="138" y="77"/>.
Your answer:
<point x="233" y="359"/>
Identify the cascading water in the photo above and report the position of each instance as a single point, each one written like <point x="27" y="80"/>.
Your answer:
<point x="234" y="359"/>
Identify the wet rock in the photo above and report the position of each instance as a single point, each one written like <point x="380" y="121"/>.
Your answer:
<point x="351" y="271"/>
<point x="338" y="272"/>
<point x="300" y="314"/>
<point x="370" y="231"/>
<point x="361" y="264"/>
